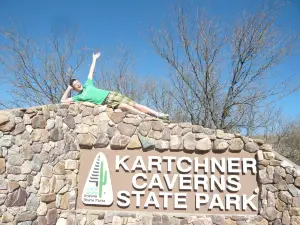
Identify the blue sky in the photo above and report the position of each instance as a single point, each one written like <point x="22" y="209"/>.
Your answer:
<point x="105" y="24"/>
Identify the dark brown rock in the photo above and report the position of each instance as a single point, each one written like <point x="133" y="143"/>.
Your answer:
<point x="69" y="120"/>
<point x="16" y="198"/>
<point x="39" y="122"/>
<point x="101" y="141"/>
<point x="51" y="216"/>
<point x="56" y="134"/>
<point x="19" y="128"/>
<point x="48" y="197"/>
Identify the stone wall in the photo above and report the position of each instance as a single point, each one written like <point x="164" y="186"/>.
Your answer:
<point x="39" y="164"/>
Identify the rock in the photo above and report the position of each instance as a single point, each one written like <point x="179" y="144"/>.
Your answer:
<point x="7" y="141"/>
<point x="26" y="216"/>
<point x="44" y="185"/>
<point x="37" y="163"/>
<point x="38" y="122"/>
<point x="126" y="129"/>
<point x="90" y="120"/>
<point x="7" y="217"/>
<point x="297" y="182"/>
<point x="251" y="147"/>
<point x="56" y="134"/>
<point x="236" y="145"/>
<point x="296" y="201"/>
<point x="62" y="221"/>
<point x="218" y="220"/>
<point x="47" y="170"/>
<point x="32" y="203"/>
<point x="285" y="164"/>
<point x="19" y="128"/>
<point x="48" y="198"/>
<point x="271" y="213"/>
<point x="166" y="134"/>
<point x="71" y="164"/>
<point x="2" y="165"/>
<point x="59" y="169"/>
<point x="15" y="159"/>
<point x="86" y="140"/>
<point x="271" y="199"/>
<point x="280" y="205"/>
<point x="119" y="142"/>
<point x="282" y="185"/>
<point x="117" y="117"/>
<point x="102" y="141"/>
<point x="204" y="145"/>
<point x="144" y="128"/>
<point x="185" y="131"/>
<point x="133" y="121"/>
<point x="157" y="126"/>
<point x="42" y="220"/>
<point x="134" y="143"/>
<point x="189" y="142"/>
<point x="155" y="134"/>
<point x="69" y="120"/>
<point x="200" y="136"/>
<point x="103" y="127"/>
<point x="176" y="130"/>
<point x="176" y="142"/>
<point x="51" y="216"/>
<point x="197" y="129"/>
<point x="286" y="197"/>
<point x="7" y="121"/>
<point x="26" y="167"/>
<point x="219" y="134"/>
<point x="42" y="209"/>
<point x="162" y="145"/>
<point x="265" y="147"/>
<point x="295" y="220"/>
<point x="82" y="129"/>
<point x="12" y="186"/>
<point x="229" y="222"/>
<point x="286" y="218"/>
<point x="4" y="117"/>
<point x="16" y="198"/>
<point x="87" y="111"/>
<point x="293" y="190"/>
<point x="26" y="151"/>
<point x="200" y="221"/>
<point x="37" y="147"/>
<point x="220" y="145"/>
<point x="294" y="211"/>
<point x="147" y="143"/>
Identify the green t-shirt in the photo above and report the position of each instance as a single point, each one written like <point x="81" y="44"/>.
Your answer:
<point x="91" y="94"/>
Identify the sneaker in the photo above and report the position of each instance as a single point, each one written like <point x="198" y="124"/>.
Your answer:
<point x="163" y="116"/>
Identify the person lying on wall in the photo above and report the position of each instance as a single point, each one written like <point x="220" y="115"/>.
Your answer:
<point x="89" y="93"/>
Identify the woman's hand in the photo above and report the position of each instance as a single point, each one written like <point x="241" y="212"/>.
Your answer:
<point x="96" y="56"/>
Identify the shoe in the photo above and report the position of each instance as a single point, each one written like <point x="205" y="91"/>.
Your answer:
<point x="163" y="116"/>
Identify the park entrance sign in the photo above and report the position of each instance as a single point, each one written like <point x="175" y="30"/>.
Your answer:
<point x="169" y="182"/>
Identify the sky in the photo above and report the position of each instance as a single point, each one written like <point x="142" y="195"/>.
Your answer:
<point x="104" y="25"/>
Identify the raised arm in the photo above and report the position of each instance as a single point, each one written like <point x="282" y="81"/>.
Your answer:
<point x="64" y="98"/>
<point x="95" y="57"/>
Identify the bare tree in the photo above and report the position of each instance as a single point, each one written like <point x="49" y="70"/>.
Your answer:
<point x="199" y="50"/>
<point x="117" y="74"/>
<point x="38" y="74"/>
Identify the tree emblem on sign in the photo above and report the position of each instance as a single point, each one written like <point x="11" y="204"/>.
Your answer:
<point x="99" y="176"/>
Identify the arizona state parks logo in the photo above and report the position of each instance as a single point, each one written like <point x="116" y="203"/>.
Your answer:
<point x="97" y="189"/>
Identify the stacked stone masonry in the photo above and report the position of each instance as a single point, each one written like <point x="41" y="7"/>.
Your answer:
<point x="39" y="164"/>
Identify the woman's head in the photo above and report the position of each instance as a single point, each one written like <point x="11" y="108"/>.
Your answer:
<point x="76" y="85"/>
